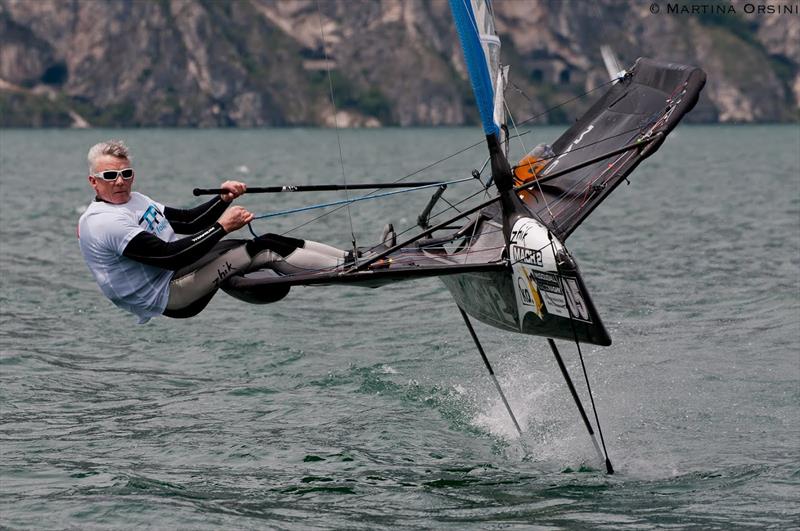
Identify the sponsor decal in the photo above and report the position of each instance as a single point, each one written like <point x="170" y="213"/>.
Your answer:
<point x="203" y="234"/>
<point x="529" y="293"/>
<point x="526" y="256"/>
<point x="574" y="143"/>
<point x="524" y="294"/>
<point x="550" y="291"/>
<point x="538" y="286"/>
<point x="577" y="304"/>
<point x="154" y="220"/>
<point x="529" y="248"/>
<point x="222" y="272"/>
<point x="547" y="282"/>
<point x="521" y="232"/>
<point x="556" y="300"/>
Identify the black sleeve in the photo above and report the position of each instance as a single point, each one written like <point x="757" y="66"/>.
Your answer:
<point x="191" y="220"/>
<point x="149" y="249"/>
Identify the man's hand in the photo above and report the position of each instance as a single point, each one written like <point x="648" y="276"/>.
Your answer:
<point x="235" y="218"/>
<point x="233" y="190"/>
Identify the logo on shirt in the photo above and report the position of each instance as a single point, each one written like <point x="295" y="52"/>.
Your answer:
<point x="154" y="220"/>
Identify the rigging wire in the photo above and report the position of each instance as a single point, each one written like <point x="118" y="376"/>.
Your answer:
<point x="336" y="127"/>
<point x="530" y="163"/>
<point x="590" y="144"/>
<point x="553" y="108"/>
<point x="347" y="202"/>
<point x="580" y="182"/>
<point x="401" y="179"/>
<point x="467" y="148"/>
<point x="490" y="202"/>
<point x="454" y="206"/>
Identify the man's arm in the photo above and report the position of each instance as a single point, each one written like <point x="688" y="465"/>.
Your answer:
<point x="192" y="220"/>
<point x="151" y="250"/>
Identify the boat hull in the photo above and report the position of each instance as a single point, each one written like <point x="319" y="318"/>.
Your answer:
<point x="540" y="293"/>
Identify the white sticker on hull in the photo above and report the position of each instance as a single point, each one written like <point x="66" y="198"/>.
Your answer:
<point x="526" y="256"/>
<point x="575" y="300"/>
<point x="534" y="268"/>
<point x="528" y="295"/>
<point x="552" y="295"/>
<point x="538" y="288"/>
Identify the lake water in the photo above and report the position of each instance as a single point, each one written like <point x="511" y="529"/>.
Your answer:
<point x="354" y="408"/>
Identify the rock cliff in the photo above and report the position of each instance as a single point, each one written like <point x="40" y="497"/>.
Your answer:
<point x="394" y="62"/>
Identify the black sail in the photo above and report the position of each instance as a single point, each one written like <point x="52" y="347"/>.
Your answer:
<point x="650" y="100"/>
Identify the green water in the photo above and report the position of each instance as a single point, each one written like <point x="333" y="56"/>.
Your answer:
<point x="354" y="408"/>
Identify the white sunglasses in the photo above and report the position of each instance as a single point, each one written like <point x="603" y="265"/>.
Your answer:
<point x="111" y="175"/>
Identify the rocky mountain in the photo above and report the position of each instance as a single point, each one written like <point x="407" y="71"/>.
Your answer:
<point x="391" y="62"/>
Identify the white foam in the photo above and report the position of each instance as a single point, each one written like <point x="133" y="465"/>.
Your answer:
<point x="387" y="369"/>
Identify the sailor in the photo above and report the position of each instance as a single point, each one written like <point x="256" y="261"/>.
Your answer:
<point x="132" y="246"/>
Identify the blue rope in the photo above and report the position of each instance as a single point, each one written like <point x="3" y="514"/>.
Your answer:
<point x="361" y="198"/>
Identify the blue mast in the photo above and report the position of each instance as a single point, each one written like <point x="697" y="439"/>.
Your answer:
<point x="477" y="63"/>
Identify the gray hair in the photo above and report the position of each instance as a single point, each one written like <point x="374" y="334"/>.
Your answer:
<point x="115" y="148"/>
